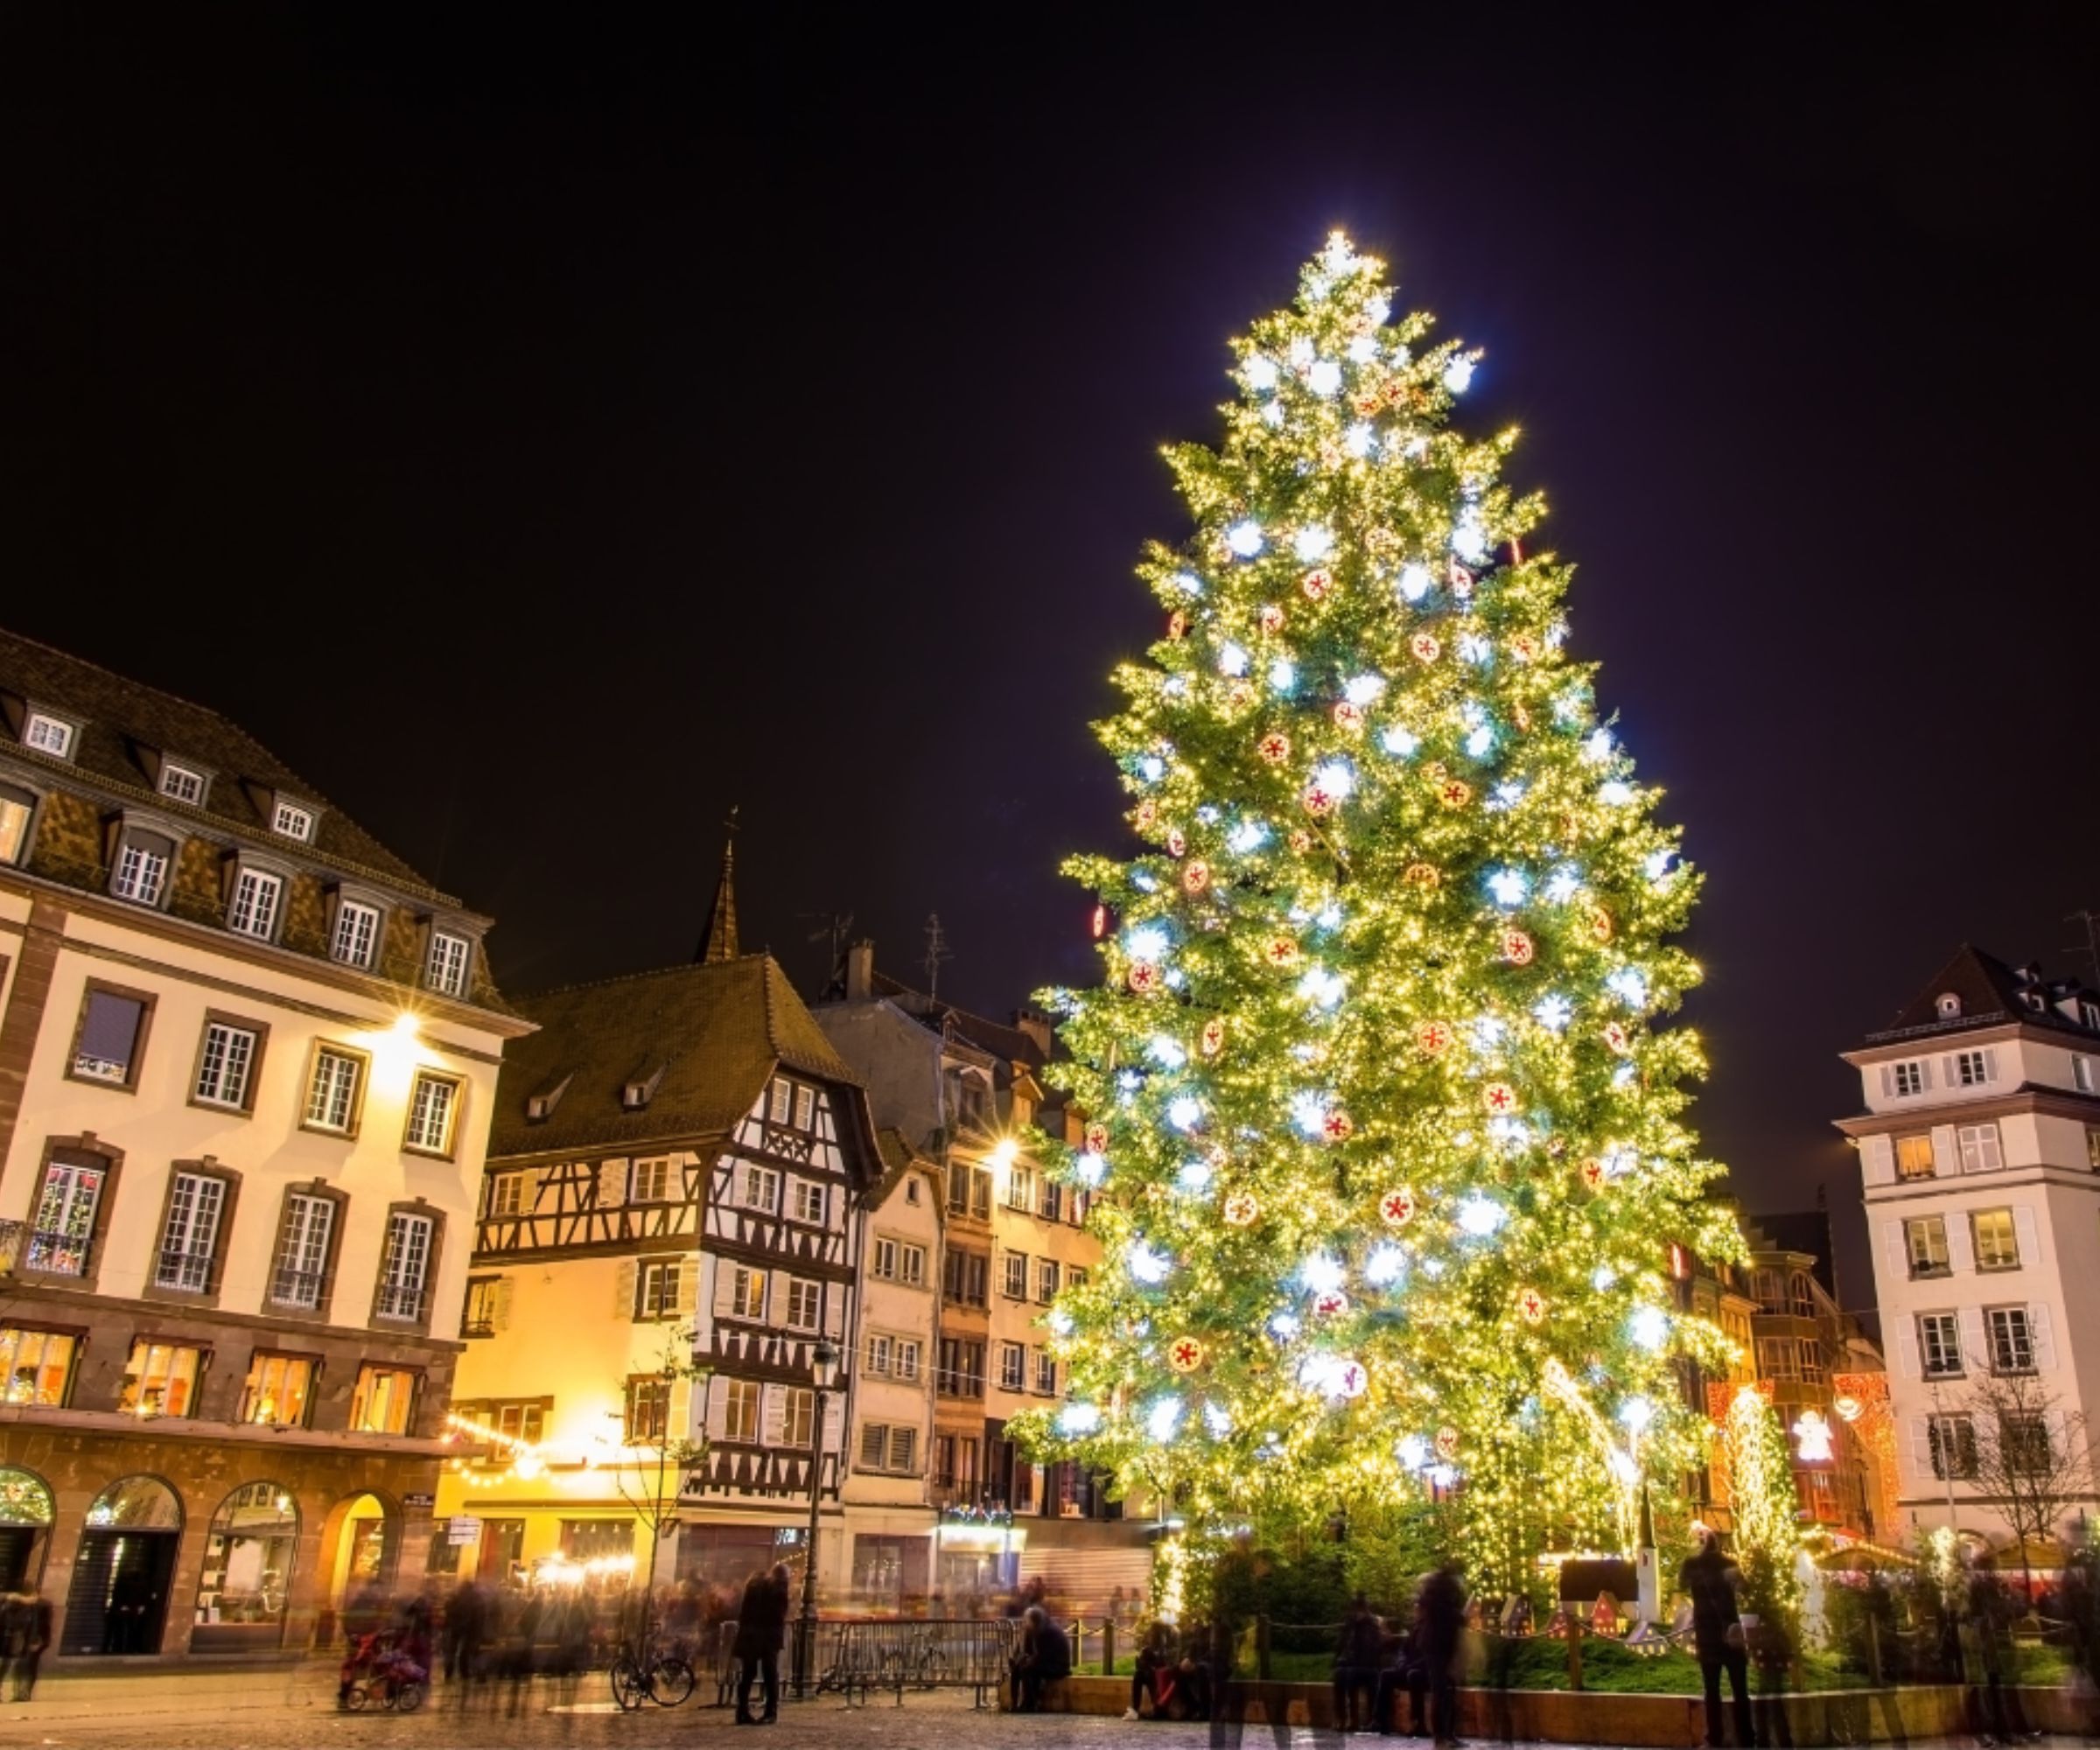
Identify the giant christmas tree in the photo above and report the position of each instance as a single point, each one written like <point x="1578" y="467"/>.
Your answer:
<point x="1384" y="1139"/>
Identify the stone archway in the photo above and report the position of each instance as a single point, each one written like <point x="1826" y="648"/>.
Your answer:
<point x="27" y="1513"/>
<point x="360" y="1556"/>
<point x="117" y="1601"/>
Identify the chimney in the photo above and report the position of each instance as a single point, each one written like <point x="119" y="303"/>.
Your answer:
<point x="860" y="971"/>
<point x="1036" y="1025"/>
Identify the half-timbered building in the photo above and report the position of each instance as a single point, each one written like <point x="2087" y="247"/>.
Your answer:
<point x="678" y="1168"/>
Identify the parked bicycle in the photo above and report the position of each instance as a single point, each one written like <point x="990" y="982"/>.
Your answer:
<point x="663" y="1674"/>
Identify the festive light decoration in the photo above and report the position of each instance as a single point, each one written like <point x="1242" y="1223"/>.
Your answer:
<point x="1403" y="838"/>
<point x="1185" y="1355"/>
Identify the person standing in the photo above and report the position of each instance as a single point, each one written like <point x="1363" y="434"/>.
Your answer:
<point x="464" y="1615"/>
<point x="761" y="1629"/>
<point x="1439" y="1622"/>
<point x="1713" y="1580"/>
<point x="1357" y="1658"/>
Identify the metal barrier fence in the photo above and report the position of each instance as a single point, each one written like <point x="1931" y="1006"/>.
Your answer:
<point x="860" y="1655"/>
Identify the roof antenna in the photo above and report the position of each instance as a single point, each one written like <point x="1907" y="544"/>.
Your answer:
<point x="2091" y="949"/>
<point x="837" y="928"/>
<point x="936" y="951"/>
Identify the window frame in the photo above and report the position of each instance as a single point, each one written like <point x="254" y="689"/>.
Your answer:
<point x="126" y="833"/>
<point x="280" y="807"/>
<point x="1014" y="1366"/>
<point x="346" y="905"/>
<point x="263" y="1352"/>
<point x="362" y="1060"/>
<point x="804" y="1193"/>
<point x="2035" y="1430"/>
<point x="1953" y="1327"/>
<point x="1049" y="1280"/>
<point x="660" y="1168"/>
<point x="1986" y="1131"/>
<point x="318" y="1314"/>
<point x="81" y="1153"/>
<point x="69" y="729"/>
<point x="13" y="794"/>
<point x="1009" y="1273"/>
<point x="1921" y="1269"/>
<point x="471" y="1328"/>
<point x="413" y="1209"/>
<point x="431" y="981"/>
<point x="229" y="1199"/>
<point x="655" y="1388"/>
<point x="1044" y="1382"/>
<point x="669" y="1267"/>
<point x="173" y="769"/>
<point x="1972" y="1067"/>
<point x="749" y="1396"/>
<point x="263" y="877"/>
<point x="412" y="1412"/>
<point x="258" y="1032"/>
<point x="1911" y="1069"/>
<point x="2012" y="1236"/>
<point x="1920" y="1142"/>
<point x="798" y="1405"/>
<point x="450" y="1148"/>
<point x="24" y="1328"/>
<point x="743" y="1279"/>
<point x="2023" y="1338"/>
<point x="810" y="1291"/>
<point x="149" y="1341"/>
<point x="147" y="1000"/>
<point x="750" y="1171"/>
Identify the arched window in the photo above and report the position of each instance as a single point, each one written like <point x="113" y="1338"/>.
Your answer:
<point x="248" y="1566"/>
<point x="26" y="1515"/>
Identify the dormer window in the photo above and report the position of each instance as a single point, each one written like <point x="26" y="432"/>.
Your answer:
<point x="143" y="862"/>
<point x="258" y="900"/>
<point x="51" y="735"/>
<point x="1949" y="1007"/>
<point x="356" y="939"/>
<point x="292" y="821"/>
<point x="180" y="784"/>
<point x="540" y="1107"/>
<point x="638" y="1092"/>
<point x="444" y="968"/>
<point x="2088" y="1013"/>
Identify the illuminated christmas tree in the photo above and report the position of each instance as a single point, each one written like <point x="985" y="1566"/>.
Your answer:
<point x="1385" y="1144"/>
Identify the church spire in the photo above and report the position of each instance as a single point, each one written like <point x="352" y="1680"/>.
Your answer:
<point x="720" y="941"/>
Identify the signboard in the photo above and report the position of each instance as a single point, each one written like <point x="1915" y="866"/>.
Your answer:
<point x="411" y="1502"/>
<point x="462" y="1530"/>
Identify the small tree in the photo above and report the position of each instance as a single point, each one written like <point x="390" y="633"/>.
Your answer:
<point x="656" y="1457"/>
<point x="2033" y="1458"/>
<point x="1765" y="1508"/>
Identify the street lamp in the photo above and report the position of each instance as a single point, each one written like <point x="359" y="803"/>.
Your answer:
<point x="823" y="1375"/>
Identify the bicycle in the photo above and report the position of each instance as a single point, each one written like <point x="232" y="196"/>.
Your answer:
<point x="920" y="1662"/>
<point x="664" y="1677"/>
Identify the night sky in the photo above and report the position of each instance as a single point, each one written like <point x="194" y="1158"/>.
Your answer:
<point x="547" y="437"/>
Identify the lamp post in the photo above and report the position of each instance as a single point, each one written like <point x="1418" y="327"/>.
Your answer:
<point x="823" y="1375"/>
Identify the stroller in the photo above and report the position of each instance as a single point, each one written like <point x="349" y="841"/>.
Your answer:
<point x="383" y="1669"/>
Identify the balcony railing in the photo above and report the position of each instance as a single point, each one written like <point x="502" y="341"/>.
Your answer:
<point x="12" y="1234"/>
<point x="57" y="1254"/>
<point x="189" y="1272"/>
<point x="300" y="1289"/>
<point x="399" y="1300"/>
<point x="952" y="1384"/>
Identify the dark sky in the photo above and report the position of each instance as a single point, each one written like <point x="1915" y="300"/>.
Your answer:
<point x="547" y="436"/>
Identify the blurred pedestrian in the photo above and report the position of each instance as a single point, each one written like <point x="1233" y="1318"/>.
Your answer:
<point x="761" y="1629"/>
<point x="1713" y="1580"/>
<point x="1439" y="1623"/>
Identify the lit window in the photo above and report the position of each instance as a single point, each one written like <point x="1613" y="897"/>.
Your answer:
<point x="1996" y="1242"/>
<point x="331" y="1097"/>
<point x="1927" y="1240"/>
<point x="110" y="1030"/>
<point x="180" y="784"/>
<point x="444" y="971"/>
<point x="405" y="1266"/>
<point x="521" y="1419"/>
<point x="430" y="1107"/>
<point x="1980" y="1147"/>
<point x="647" y="1418"/>
<point x="2092" y="1146"/>
<point x="142" y="868"/>
<point x="808" y="1203"/>
<point x="37" y="1365"/>
<point x="160" y="1379"/>
<point x="746" y="1292"/>
<point x="1914" y="1156"/>
<point x="781" y="1103"/>
<point x="196" y="1201"/>
<point x="805" y="1304"/>
<point x="48" y="735"/>
<point x="64" y="1224"/>
<point x="277" y="1389"/>
<point x="383" y="1401"/>
<point x="484" y="1306"/>
<point x="356" y="937"/>
<point x="886" y="1259"/>
<point x="649" y="1181"/>
<point x="2012" y="1341"/>
<point x="506" y="1194"/>
<point x="656" y="1283"/>
<point x="1020" y="1188"/>
<point x="1940" y="1339"/>
<point x="292" y="821"/>
<point x="741" y="1410"/>
<point x="798" y="1421"/>
<point x="16" y="808"/>
<point x="300" y="1270"/>
<point x="805" y="1108"/>
<point x="1952" y="1441"/>
<point x="224" y="1068"/>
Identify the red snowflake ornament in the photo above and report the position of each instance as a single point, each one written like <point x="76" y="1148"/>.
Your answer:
<point x="1461" y="579"/>
<point x="1300" y="841"/>
<point x="1271" y="618"/>
<point x="1593" y="1173"/>
<point x="1213" y="1039"/>
<point x="1097" y="1139"/>
<point x="1531" y="1305"/>
<point x="1185" y="1355"/>
<point x="1330" y="1303"/>
<point x="1241" y="1208"/>
<point x="1337" y="1126"/>
<point x="1143" y="977"/>
<point x="1524" y="647"/>
<point x="1177" y="626"/>
<point x="1275" y="747"/>
<point x="1320" y="801"/>
<point x="1448" y="1442"/>
<point x="1432" y="1037"/>
<point x="1424" y="647"/>
<point x="1616" y="1037"/>
<point x="1317" y="585"/>
<point x="1349" y="1379"/>
<point x="1499" y="1097"/>
<point x="1396" y="1208"/>
<point x="1516" y="948"/>
<point x="1239" y="695"/>
<point x="1176" y="844"/>
<point x="1196" y="876"/>
<point x="1454" y="793"/>
<point x="1348" y="718"/>
<point x="1147" y="816"/>
<point x="1281" y="951"/>
<point x="1421" y="875"/>
<point x="1601" y="925"/>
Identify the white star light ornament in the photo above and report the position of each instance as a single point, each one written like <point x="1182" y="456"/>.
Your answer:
<point x="1363" y="690"/>
<point x="1184" y="1113"/>
<point x="1458" y="374"/>
<point x="1648" y="1326"/>
<point x="1195" y="1178"/>
<point x="1260" y="372"/>
<point x="1312" y="543"/>
<point x="1146" y="1265"/>
<point x="1162" y="1419"/>
<point x="1481" y="1217"/>
<point x="1090" y="1169"/>
<point x="1245" y="539"/>
<point x="1079" y="1418"/>
<point x="1415" y="581"/>
<point x="1325" y="378"/>
<point x="1508" y="887"/>
<point x="1398" y="743"/>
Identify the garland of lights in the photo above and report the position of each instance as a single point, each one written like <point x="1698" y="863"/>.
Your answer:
<point x="1386" y="1138"/>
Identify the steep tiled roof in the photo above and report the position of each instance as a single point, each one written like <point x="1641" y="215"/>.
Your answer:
<point x="1992" y="994"/>
<point x="119" y="717"/>
<point x="712" y="1033"/>
<point x="1009" y="1045"/>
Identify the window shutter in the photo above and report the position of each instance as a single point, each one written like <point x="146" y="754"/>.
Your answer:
<point x="2028" y="1236"/>
<point x="1990" y="1063"/>
<point x="2042" y="1338"/>
<point x="1976" y="1351"/>
<point x="773" y="1415"/>
<point x="834" y="1431"/>
<point x="776" y="1298"/>
<point x="717" y="1408"/>
<point x="904" y="1445"/>
<point x="1896" y="1249"/>
<point x="835" y="1310"/>
<point x="500" y="1311"/>
<point x="1906" y="1349"/>
<point x="688" y="1286"/>
<point x="1888" y="1081"/>
<point x="2059" y="1436"/>
<point x="1946" y="1155"/>
<point x="1921" y="1446"/>
<point x="678" y="1418"/>
<point x="871" y="1445"/>
<point x="1925" y="1074"/>
<point x="1877" y="1160"/>
<point x="623" y="1289"/>
<point x="612" y="1184"/>
<point x="1961" y="1247"/>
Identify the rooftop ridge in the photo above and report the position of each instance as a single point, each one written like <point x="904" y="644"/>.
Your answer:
<point x="687" y="966"/>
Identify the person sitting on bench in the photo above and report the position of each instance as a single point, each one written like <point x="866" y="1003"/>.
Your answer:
<point x="1045" y="1658"/>
<point x="1156" y="1676"/>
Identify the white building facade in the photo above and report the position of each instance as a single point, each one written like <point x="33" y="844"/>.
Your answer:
<point x="1979" y="1149"/>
